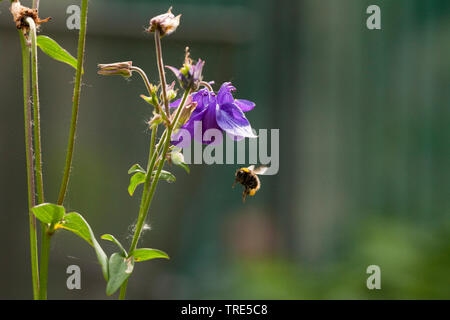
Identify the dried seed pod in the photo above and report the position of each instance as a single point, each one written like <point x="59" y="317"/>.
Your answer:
<point x="165" y="23"/>
<point x="21" y="13"/>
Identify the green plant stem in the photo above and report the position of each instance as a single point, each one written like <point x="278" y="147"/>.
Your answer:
<point x="147" y="194"/>
<point x="144" y="78"/>
<point x="162" y="75"/>
<point x="151" y="162"/>
<point x="45" y="254"/>
<point x="36" y="112"/>
<point x="30" y="164"/>
<point x="76" y="102"/>
<point x="37" y="149"/>
<point x="147" y="85"/>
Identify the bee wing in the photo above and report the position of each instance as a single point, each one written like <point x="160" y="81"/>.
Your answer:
<point x="251" y="168"/>
<point x="260" y="170"/>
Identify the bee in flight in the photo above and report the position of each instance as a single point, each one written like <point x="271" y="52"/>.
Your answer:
<point x="248" y="177"/>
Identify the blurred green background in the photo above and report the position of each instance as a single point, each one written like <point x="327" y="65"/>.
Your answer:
<point x="364" y="151"/>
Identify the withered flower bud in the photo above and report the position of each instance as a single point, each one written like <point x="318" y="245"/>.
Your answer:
<point x="117" y="68"/>
<point x="186" y="113"/>
<point x="190" y="75"/>
<point x="165" y="23"/>
<point x="155" y="121"/>
<point x="21" y="13"/>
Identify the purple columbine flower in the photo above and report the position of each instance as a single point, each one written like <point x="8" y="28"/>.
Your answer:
<point x="190" y="75"/>
<point x="221" y="112"/>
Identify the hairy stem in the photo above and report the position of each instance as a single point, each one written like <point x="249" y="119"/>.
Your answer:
<point x="38" y="152"/>
<point x="30" y="164"/>
<point x="76" y="102"/>
<point x="162" y="74"/>
<point x="36" y="112"/>
<point x="147" y="84"/>
<point x="147" y="194"/>
<point x="144" y="77"/>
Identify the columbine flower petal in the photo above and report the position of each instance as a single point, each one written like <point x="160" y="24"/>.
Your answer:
<point x="244" y="105"/>
<point x="220" y="112"/>
<point x="233" y="121"/>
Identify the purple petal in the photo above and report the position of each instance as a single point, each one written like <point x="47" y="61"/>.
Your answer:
<point x="224" y="95"/>
<point x="232" y="120"/>
<point x="198" y="69"/>
<point x="189" y="126"/>
<point x="244" y="105"/>
<point x="209" y="122"/>
<point x="175" y="104"/>
<point x="202" y="99"/>
<point x="175" y="71"/>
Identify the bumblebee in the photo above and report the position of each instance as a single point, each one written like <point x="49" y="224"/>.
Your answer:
<point x="248" y="177"/>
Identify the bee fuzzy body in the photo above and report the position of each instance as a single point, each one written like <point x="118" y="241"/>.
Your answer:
<point x="249" y="179"/>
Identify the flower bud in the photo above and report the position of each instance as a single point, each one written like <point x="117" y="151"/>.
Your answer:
<point x="190" y="75"/>
<point x="165" y="23"/>
<point x="118" y="68"/>
<point x="186" y="113"/>
<point x="171" y="92"/>
<point x="155" y="121"/>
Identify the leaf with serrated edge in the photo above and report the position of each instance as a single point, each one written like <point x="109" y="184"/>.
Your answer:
<point x="120" y="269"/>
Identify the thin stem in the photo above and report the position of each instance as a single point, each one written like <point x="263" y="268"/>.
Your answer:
<point x="35" y="4"/>
<point x="162" y="74"/>
<point x="123" y="290"/>
<point x="45" y="254"/>
<point x="144" y="77"/>
<point x="76" y="102"/>
<point x="36" y="111"/>
<point x="148" y="197"/>
<point x="37" y="155"/>
<point x="147" y="194"/>
<point x="30" y="164"/>
<point x="147" y="85"/>
<point x="152" y="146"/>
<point x="151" y="161"/>
<point x="207" y="85"/>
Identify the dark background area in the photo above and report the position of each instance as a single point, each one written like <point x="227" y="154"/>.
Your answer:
<point x="364" y="151"/>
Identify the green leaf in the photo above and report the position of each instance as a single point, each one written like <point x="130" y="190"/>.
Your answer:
<point x="139" y="177"/>
<point x="136" y="168"/>
<point x="144" y="254"/>
<point x="185" y="167"/>
<point x="178" y="160"/>
<point x="49" y="212"/>
<point x="77" y="224"/>
<point x="120" y="269"/>
<point x="111" y="238"/>
<point x="136" y="180"/>
<point x="55" y="51"/>
<point x="166" y="175"/>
